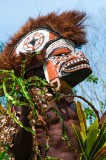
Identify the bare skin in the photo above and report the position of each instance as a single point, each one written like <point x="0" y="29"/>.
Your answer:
<point x="58" y="147"/>
<point x="23" y="140"/>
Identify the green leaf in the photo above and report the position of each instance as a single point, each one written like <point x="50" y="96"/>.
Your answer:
<point x="82" y="120"/>
<point x="80" y="142"/>
<point x="14" y="118"/>
<point x="64" y="129"/>
<point x="91" y="136"/>
<point x="100" y="141"/>
<point x="51" y="158"/>
<point x="102" y="158"/>
<point x="1" y="155"/>
<point x="24" y="91"/>
<point x="92" y="78"/>
<point x="26" y="94"/>
<point x="36" y="52"/>
<point x="11" y="98"/>
<point x="5" y="157"/>
<point x="100" y="153"/>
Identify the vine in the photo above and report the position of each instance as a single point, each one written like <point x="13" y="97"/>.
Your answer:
<point x="34" y="94"/>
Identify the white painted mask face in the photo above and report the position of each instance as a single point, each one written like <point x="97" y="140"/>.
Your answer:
<point x="61" y="59"/>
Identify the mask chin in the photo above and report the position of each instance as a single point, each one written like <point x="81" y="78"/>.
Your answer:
<point x="77" y="76"/>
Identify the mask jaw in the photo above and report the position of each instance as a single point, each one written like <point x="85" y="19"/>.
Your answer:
<point x="70" y="67"/>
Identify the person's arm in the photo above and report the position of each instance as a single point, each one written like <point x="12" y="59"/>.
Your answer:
<point x="22" y="148"/>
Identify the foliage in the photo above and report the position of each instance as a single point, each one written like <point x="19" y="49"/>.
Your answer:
<point x="89" y="114"/>
<point x="4" y="155"/>
<point x="92" y="78"/>
<point x="92" y="141"/>
<point x="18" y="93"/>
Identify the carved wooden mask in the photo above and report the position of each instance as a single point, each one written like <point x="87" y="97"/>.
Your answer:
<point x="61" y="60"/>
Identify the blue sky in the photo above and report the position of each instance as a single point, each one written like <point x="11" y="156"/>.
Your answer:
<point x="14" y="13"/>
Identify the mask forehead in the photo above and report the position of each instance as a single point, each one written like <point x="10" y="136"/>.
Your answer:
<point x="34" y="41"/>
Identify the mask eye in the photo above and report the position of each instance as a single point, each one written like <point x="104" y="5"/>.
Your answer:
<point x="33" y="42"/>
<point x="61" y="52"/>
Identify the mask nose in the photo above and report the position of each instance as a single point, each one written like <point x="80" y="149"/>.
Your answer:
<point x="76" y="55"/>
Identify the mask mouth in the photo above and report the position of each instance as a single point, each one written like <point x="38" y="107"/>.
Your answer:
<point x="76" y="70"/>
<point x="75" y="64"/>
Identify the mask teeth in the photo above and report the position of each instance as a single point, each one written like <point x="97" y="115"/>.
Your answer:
<point x="76" y="61"/>
<point x="77" y="67"/>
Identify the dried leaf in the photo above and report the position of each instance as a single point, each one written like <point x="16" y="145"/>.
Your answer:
<point x="82" y="120"/>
